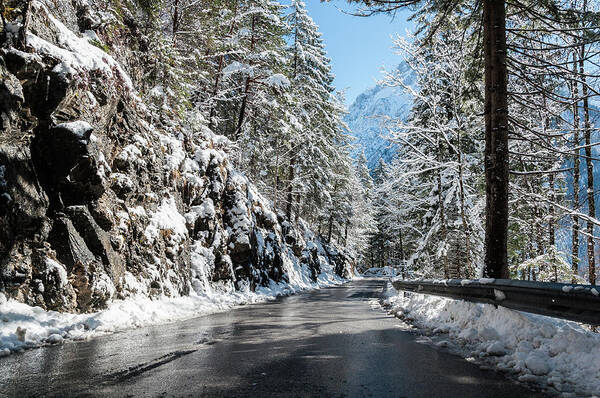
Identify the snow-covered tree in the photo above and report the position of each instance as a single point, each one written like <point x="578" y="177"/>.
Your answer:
<point x="436" y="176"/>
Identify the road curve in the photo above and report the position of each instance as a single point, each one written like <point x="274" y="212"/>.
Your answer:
<point x="329" y="342"/>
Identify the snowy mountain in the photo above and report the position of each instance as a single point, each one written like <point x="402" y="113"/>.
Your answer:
<point x="367" y="113"/>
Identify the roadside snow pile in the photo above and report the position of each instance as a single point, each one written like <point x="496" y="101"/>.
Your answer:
<point x="560" y="356"/>
<point x="23" y="326"/>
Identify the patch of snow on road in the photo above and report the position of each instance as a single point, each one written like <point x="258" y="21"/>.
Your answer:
<point x="560" y="356"/>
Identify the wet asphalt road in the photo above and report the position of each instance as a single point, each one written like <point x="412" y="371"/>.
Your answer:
<point x="330" y="342"/>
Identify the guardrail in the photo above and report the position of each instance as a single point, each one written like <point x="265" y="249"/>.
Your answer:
<point x="579" y="303"/>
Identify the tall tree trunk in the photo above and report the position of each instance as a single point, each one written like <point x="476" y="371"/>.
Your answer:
<point x="276" y="179"/>
<point x="444" y="227"/>
<point x="346" y="235"/>
<point x="382" y="254"/>
<point x="372" y="254"/>
<point x="463" y="216"/>
<point x="552" y="216"/>
<point x="290" y="189"/>
<point x="575" y="229"/>
<point x="401" y="248"/>
<point x="331" y="217"/>
<point x="175" y="21"/>
<point x="551" y="221"/>
<point x="401" y="245"/>
<point x="551" y="210"/>
<point x="242" y="114"/>
<point x="496" y="139"/>
<point x="589" y="166"/>
<point x="213" y="106"/>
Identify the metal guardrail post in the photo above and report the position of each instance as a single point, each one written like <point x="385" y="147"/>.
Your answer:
<point x="579" y="303"/>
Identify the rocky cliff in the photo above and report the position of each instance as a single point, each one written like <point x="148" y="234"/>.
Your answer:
<point x="100" y="200"/>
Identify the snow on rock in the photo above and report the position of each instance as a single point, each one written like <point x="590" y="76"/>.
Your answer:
<point x="79" y="128"/>
<point x="560" y="356"/>
<point x="75" y="54"/>
<point x="57" y="271"/>
<point x="54" y="338"/>
<point x="130" y="154"/>
<point x="168" y="222"/>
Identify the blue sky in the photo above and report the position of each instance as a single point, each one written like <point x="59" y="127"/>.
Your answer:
<point x="358" y="47"/>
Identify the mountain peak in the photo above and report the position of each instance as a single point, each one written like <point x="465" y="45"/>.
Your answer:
<point x="368" y="112"/>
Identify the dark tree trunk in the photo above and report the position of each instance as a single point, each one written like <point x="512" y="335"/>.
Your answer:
<point x="575" y="232"/>
<point x="552" y="217"/>
<point x="463" y="216"/>
<point x="346" y="235"/>
<point x="401" y="246"/>
<point x="401" y="249"/>
<point x="590" y="169"/>
<point x="444" y="228"/>
<point x="382" y="248"/>
<point x="213" y="107"/>
<point x="372" y="255"/>
<point x="175" y="21"/>
<point x="242" y="115"/>
<point x="551" y="221"/>
<point x="496" y="139"/>
<point x="290" y="189"/>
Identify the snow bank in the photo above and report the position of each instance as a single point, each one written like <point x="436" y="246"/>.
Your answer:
<point x="23" y="326"/>
<point x="559" y="356"/>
